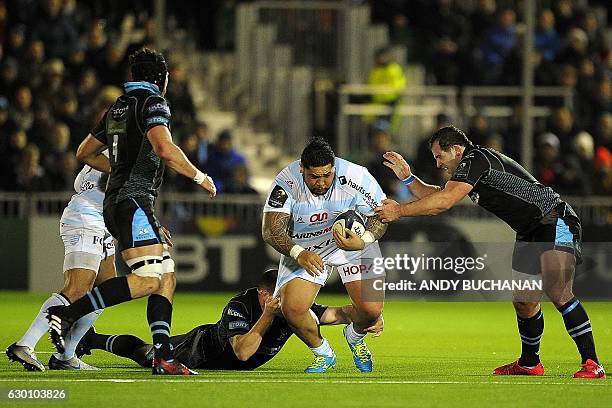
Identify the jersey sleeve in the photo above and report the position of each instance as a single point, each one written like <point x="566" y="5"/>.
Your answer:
<point x="280" y="198"/>
<point x="99" y="131"/>
<point x="155" y="112"/>
<point x="318" y="310"/>
<point x="235" y="319"/>
<point x="471" y="168"/>
<point x="369" y="195"/>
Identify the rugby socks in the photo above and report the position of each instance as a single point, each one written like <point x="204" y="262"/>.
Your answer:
<point x="531" y="330"/>
<point x="40" y="324"/>
<point x="107" y="294"/>
<point x="352" y="337"/>
<point x="159" y="315"/>
<point x="579" y="328"/>
<point x="123" y="345"/>
<point x="324" y="349"/>
<point x="76" y="333"/>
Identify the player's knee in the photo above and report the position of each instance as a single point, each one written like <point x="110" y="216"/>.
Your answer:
<point x="293" y="311"/>
<point x="149" y="284"/>
<point x="526" y="309"/>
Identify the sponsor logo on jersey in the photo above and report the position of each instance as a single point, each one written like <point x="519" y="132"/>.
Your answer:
<point x="159" y="107"/>
<point x="87" y="185"/>
<point x="474" y="197"/>
<point x="342" y="180"/>
<point x="321" y="245"/>
<point x="240" y="324"/>
<point x="307" y="235"/>
<point x="119" y="112"/>
<point x="319" y="218"/>
<point x="300" y="220"/>
<point x="278" y="197"/>
<point x="462" y="170"/>
<point x="366" y="194"/>
<point x="143" y="231"/>
<point x="234" y="312"/>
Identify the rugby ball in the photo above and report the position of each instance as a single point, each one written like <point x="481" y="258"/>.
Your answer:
<point x="350" y="220"/>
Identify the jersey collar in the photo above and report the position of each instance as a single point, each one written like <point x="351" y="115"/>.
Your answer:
<point x="132" y="86"/>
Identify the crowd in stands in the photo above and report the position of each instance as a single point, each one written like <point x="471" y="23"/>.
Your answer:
<point x="62" y="64"/>
<point x="482" y="45"/>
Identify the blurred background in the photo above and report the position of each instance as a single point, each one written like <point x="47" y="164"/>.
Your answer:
<point x="252" y="81"/>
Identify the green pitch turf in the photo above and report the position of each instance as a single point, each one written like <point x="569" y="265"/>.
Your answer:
<point x="431" y="354"/>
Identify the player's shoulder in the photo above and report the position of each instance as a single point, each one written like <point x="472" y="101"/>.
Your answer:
<point x="351" y="177"/>
<point x="290" y="177"/>
<point x="243" y="301"/>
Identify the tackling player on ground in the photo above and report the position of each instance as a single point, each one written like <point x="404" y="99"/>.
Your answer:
<point x="251" y="331"/>
<point x="548" y="240"/>
<point x="89" y="258"/>
<point x="303" y="202"/>
<point x="136" y="130"/>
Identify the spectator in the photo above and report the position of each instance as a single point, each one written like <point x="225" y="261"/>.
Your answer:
<point x="564" y="16"/>
<point x="55" y="29"/>
<point x="546" y="38"/>
<point x="53" y="83"/>
<point x="181" y="100"/>
<point x="479" y="131"/>
<point x="96" y="45"/>
<point x="15" y="45"/>
<point x="204" y="146"/>
<point x="564" y="127"/>
<point x="603" y="131"/>
<point x="31" y="70"/>
<point x="584" y="148"/>
<point x="42" y="126"/>
<point x="87" y="90"/>
<point x="482" y="18"/>
<point x="572" y="181"/>
<point x="589" y="23"/>
<point x="11" y="156"/>
<point x="387" y="71"/>
<point x="547" y="164"/>
<point x="576" y="49"/>
<point x="21" y="113"/>
<point x="497" y="44"/>
<point x="223" y="160"/>
<point x="240" y="182"/>
<point x="603" y="171"/>
<point x="30" y="174"/>
<point x="4" y="120"/>
<point x="494" y="141"/>
<point x="8" y="76"/>
<point x="380" y="142"/>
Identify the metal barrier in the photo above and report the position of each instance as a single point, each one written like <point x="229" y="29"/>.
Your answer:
<point x="592" y="210"/>
<point x="413" y="116"/>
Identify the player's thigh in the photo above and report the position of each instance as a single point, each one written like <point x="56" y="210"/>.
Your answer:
<point x="367" y="297"/>
<point x="107" y="270"/>
<point x="297" y="296"/>
<point x="133" y="224"/>
<point x="558" y="269"/>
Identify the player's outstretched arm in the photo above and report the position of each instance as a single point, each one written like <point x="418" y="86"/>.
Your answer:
<point x="434" y="204"/>
<point x="164" y="147"/>
<point x="401" y="168"/>
<point x="90" y="152"/>
<point x="274" y="232"/>
<point x="245" y="345"/>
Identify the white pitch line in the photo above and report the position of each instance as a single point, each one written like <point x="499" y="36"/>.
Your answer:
<point x="298" y="381"/>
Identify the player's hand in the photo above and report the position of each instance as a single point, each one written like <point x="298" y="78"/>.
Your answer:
<point x="390" y="210"/>
<point x="352" y="242"/>
<point x="377" y="328"/>
<point x="209" y="185"/>
<point x="396" y="162"/>
<point x="311" y="262"/>
<point x="273" y="306"/>
<point x="167" y="236"/>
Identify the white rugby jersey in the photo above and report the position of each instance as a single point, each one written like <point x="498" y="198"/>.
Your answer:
<point x="312" y="216"/>
<point x="85" y="207"/>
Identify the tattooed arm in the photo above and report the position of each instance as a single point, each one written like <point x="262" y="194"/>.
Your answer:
<point x="376" y="227"/>
<point x="274" y="231"/>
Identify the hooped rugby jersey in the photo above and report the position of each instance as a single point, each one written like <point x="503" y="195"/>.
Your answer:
<point x="312" y="217"/>
<point x="85" y="207"/>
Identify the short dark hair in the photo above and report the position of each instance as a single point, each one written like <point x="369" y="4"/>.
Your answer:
<point x="449" y="136"/>
<point x="148" y="65"/>
<point x="268" y="279"/>
<point x="317" y="153"/>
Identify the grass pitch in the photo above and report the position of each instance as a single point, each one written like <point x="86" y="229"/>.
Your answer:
<point x="431" y="354"/>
